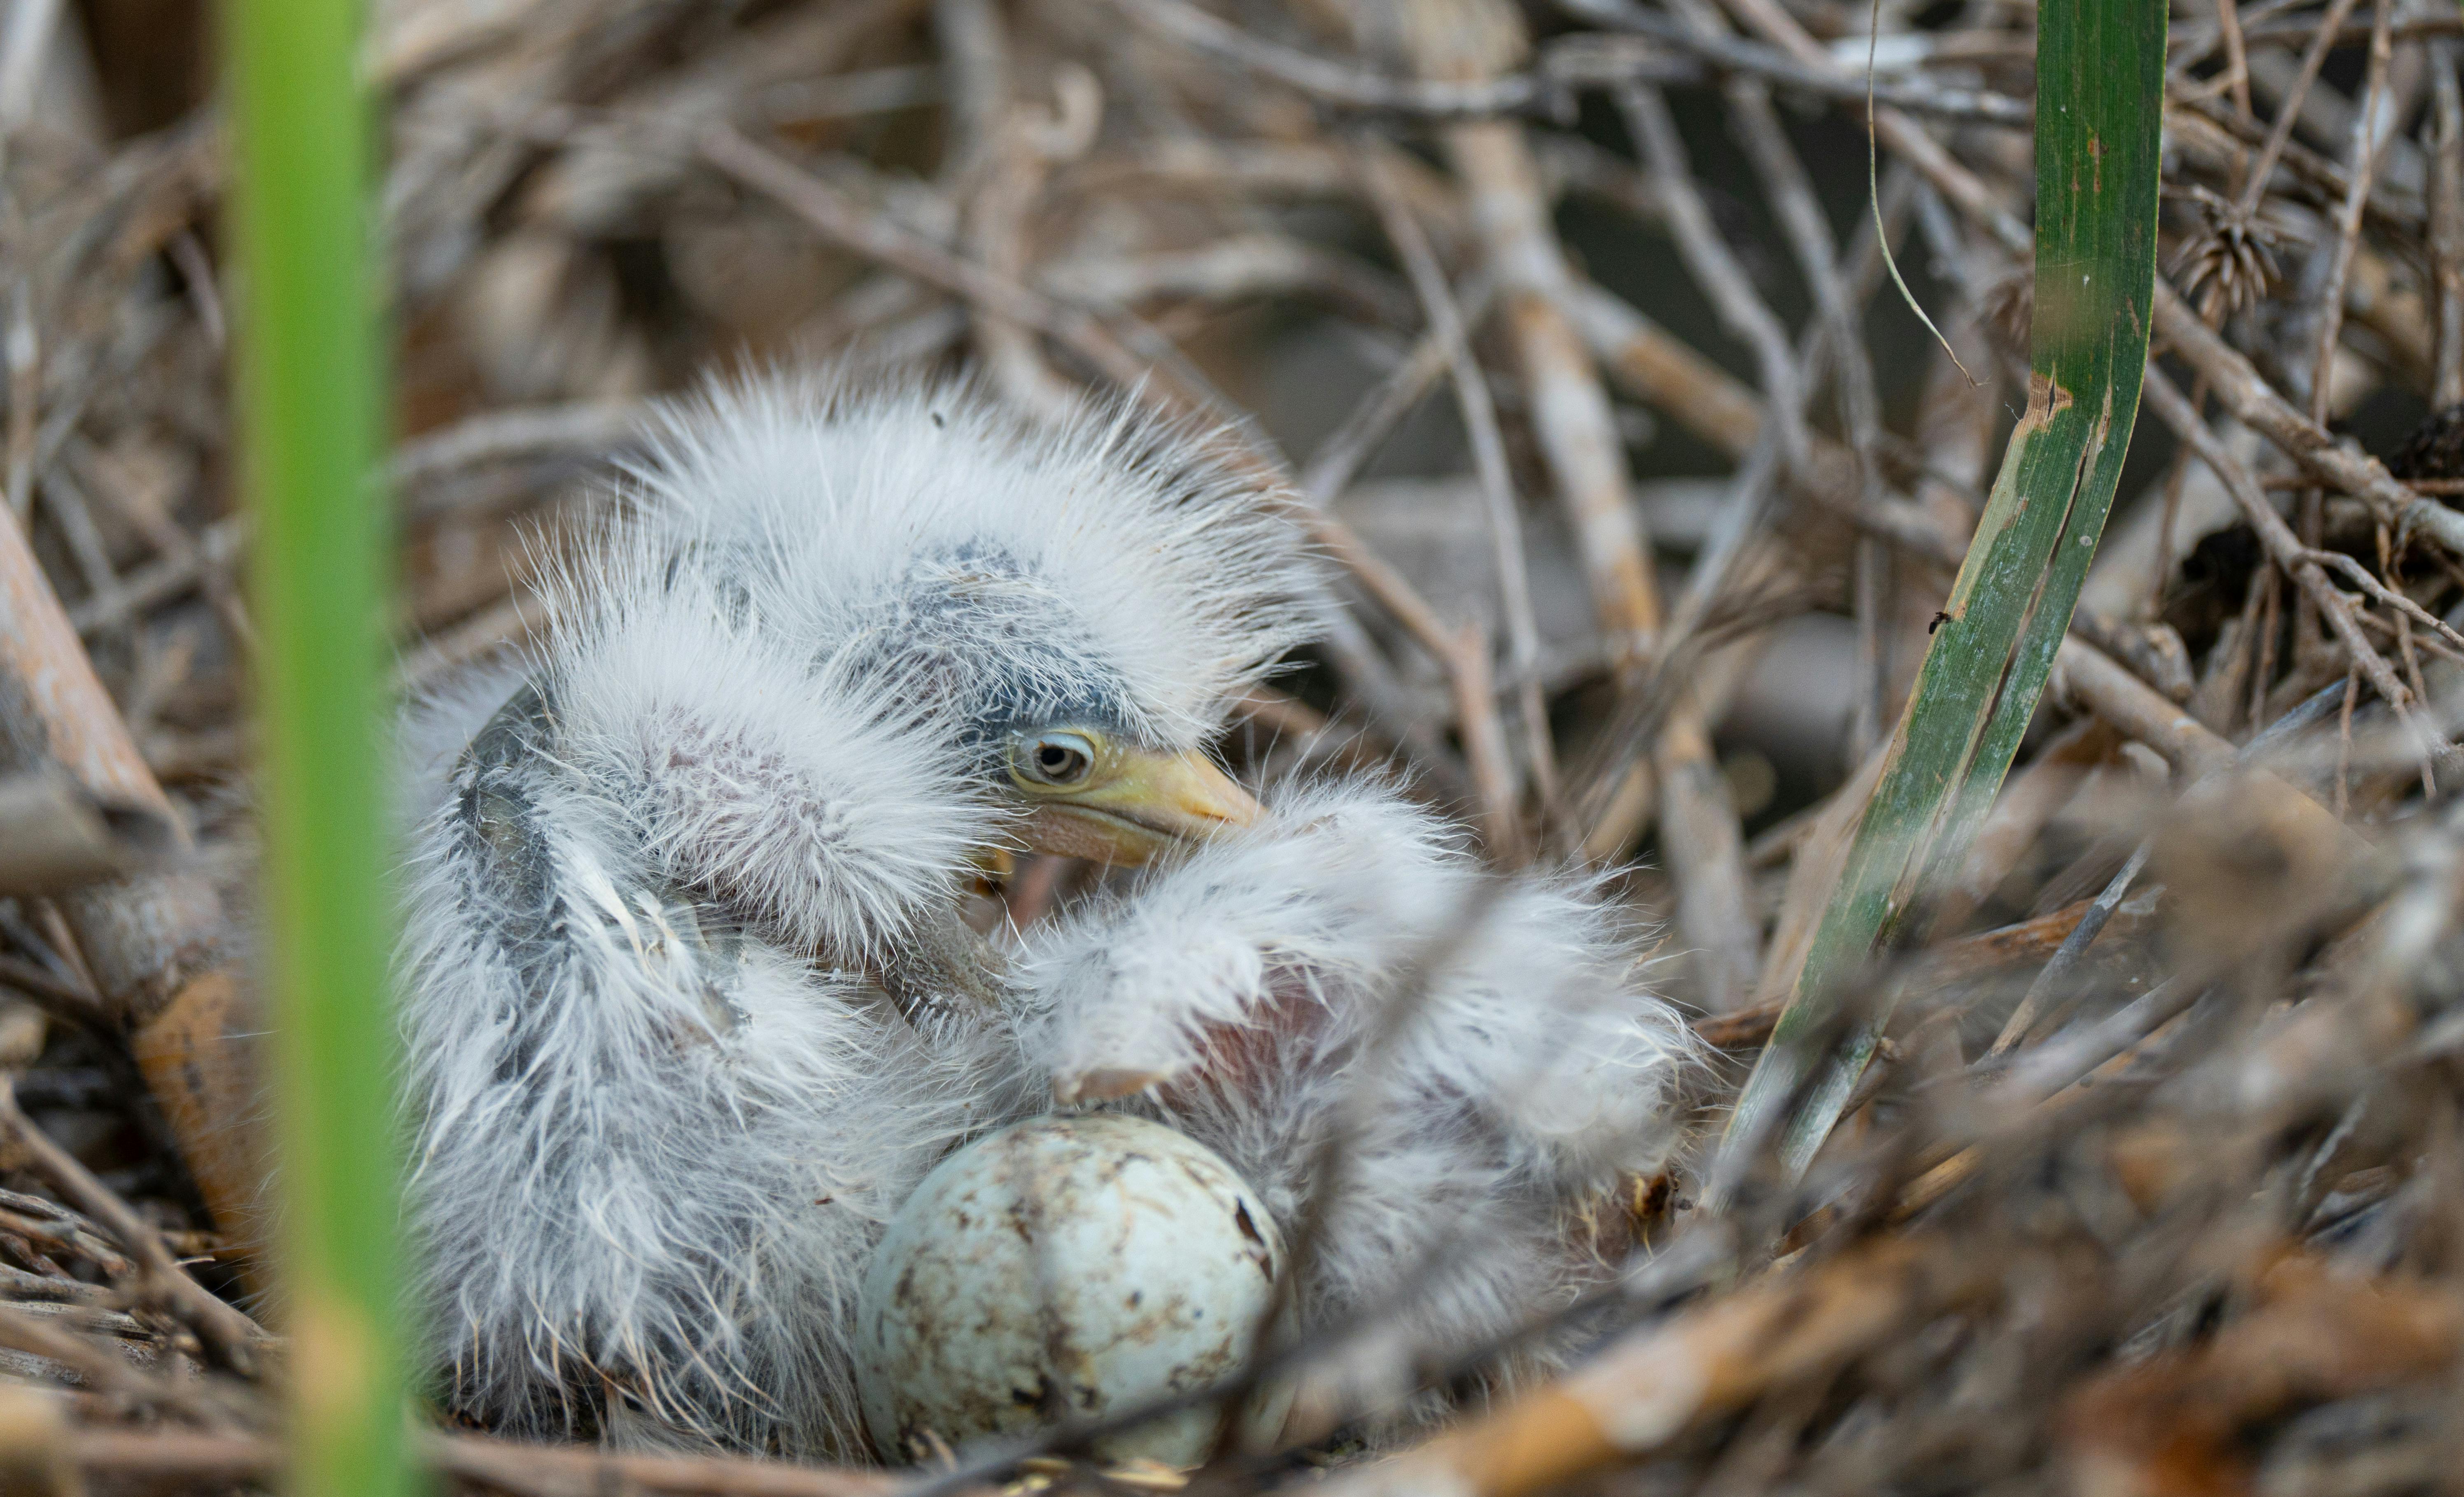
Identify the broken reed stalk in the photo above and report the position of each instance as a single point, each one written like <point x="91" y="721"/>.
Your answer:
<point x="151" y="941"/>
<point x="311" y="394"/>
<point x="2099" y="109"/>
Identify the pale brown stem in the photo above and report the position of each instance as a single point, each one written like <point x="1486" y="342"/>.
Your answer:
<point x="1570" y="410"/>
<point x="1488" y="455"/>
<point x="2447" y="224"/>
<point x="153" y="941"/>
<point x="2362" y="165"/>
<point x="2094" y="681"/>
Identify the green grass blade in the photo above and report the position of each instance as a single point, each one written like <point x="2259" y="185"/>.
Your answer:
<point x="311" y="398"/>
<point x="2100" y="91"/>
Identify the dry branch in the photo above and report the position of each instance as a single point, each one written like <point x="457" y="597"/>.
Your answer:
<point x="151" y="941"/>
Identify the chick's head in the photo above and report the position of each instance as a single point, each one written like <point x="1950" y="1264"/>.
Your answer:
<point x="1078" y="602"/>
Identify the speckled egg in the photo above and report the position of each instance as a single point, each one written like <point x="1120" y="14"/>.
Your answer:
<point x="1099" y="1263"/>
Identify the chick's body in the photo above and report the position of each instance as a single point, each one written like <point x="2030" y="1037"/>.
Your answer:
<point x="687" y="1008"/>
<point x="688" y="1012"/>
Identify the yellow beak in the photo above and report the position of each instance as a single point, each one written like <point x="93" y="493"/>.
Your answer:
<point x="1151" y="802"/>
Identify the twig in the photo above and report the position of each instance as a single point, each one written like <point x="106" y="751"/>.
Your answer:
<point x="1715" y="269"/>
<point x="2249" y="399"/>
<point x="2296" y="560"/>
<point x="1241" y="267"/>
<point x="2091" y="677"/>
<point x="153" y="940"/>
<point x="2236" y="55"/>
<point x="874" y="235"/>
<point x="1004" y="175"/>
<point x="62" y="1000"/>
<point x="1570" y="410"/>
<point x="433" y="659"/>
<point x="1488" y="456"/>
<point x="2067" y="957"/>
<point x="1707" y="401"/>
<point x="423" y="465"/>
<point x="107" y="1372"/>
<point x="1485" y="750"/>
<point x="231" y="1337"/>
<point x="2255" y="185"/>
<point x="2369" y="133"/>
<point x="1743" y="58"/>
<point x="2446" y="153"/>
<point x="1331" y="80"/>
<point x="1349" y="447"/>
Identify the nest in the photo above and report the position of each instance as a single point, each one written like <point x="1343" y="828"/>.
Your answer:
<point x="2154" y="1184"/>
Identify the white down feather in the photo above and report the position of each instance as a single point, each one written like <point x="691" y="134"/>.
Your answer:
<point x="661" y="1110"/>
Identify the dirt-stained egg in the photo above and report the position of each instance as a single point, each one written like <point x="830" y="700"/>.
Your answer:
<point x="1066" y="1266"/>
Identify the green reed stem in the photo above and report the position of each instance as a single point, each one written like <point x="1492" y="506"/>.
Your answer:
<point x="311" y="397"/>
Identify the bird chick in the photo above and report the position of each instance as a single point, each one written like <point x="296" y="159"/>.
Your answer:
<point x="1339" y="987"/>
<point x="687" y="1008"/>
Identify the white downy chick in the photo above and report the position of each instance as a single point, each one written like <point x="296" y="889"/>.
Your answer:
<point x="687" y="1008"/>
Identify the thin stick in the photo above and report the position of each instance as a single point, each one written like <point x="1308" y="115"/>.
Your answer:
<point x="1489" y="457"/>
<point x="1340" y="457"/>
<point x="877" y="237"/>
<point x="1653" y="1385"/>
<point x="1571" y="415"/>
<point x="2296" y="560"/>
<point x="2247" y="396"/>
<point x="2236" y="54"/>
<point x="2362" y="165"/>
<point x="2069" y="955"/>
<point x="1331" y="80"/>
<point x="108" y="1372"/>
<point x="2256" y="186"/>
<point x="523" y="435"/>
<point x="229" y="1336"/>
<point x="2446" y="153"/>
<point x="1714" y="266"/>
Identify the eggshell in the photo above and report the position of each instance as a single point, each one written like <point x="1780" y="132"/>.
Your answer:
<point x="1095" y="1263"/>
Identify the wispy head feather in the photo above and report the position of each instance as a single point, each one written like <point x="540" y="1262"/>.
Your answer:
<point x="1109" y="562"/>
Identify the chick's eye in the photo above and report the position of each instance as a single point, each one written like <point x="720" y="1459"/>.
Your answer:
<point x="1058" y="759"/>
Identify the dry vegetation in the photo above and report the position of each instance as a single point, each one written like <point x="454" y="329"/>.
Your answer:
<point x="1562" y="326"/>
